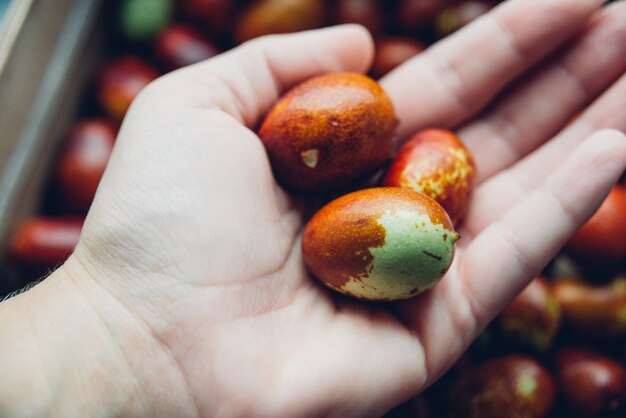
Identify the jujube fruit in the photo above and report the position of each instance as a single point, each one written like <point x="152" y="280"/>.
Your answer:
<point x="454" y="17"/>
<point x="369" y="13"/>
<point x="178" y="46"/>
<point x="591" y="384"/>
<point x="414" y="15"/>
<point x="215" y="15"/>
<point x="533" y="318"/>
<point x="380" y="244"/>
<point x="601" y="242"/>
<point x="435" y="162"/>
<point x="279" y="16"/>
<point x="514" y="386"/>
<point x="120" y="82"/>
<point x="393" y="51"/>
<point x="596" y="310"/>
<point x="45" y="241"/>
<point x="83" y="160"/>
<point x="329" y="131"/>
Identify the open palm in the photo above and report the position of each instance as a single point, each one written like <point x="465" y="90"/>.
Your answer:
<point x="192" y="236"/>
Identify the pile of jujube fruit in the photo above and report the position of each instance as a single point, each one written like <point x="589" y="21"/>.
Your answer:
<point x="388" y="232"/>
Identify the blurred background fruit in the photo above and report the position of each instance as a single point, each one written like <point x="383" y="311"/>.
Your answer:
<point x="415" y="16"/>
<point x="82" y="161"/>
<point x="181" y="45"/>
<point x="511" y="386"/>
<point x="120" y="82"/>
<point x="142" y="19"/>
<point x="279" y="16"/>
<point x="212" y="15"/>
<point x="45" y="242"/>
<point x="593" y="309"/>
<point x="592" y="385"/>
<point x="369" y="13"/>
<point x="455" y="16"/>
<point x="393" y="51"/>
<point x="533" y="319"/>
<point x="600" y="243"/>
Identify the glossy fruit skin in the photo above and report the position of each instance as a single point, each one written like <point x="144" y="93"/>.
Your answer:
<point x="45" y="241"/>
<point x="456" y="16"/>
<point x="379" y="244"/>
<point x="368" y="13"/>
<point x="591" y="384"/>
<point x="533" y="318"/>
<point x="82" y="161"/>
<point x="329" y="131"/>
<point x="595" y="310"/>
<point x="415" y="15"/>
<point x="393" y="51"/>
<point x="435" y="162"/>
<point x="181" y="45"/>
<point x="120" y="82"/>
<point x="513" y="386"/>
<point x="279" y="16"/>
<point x="600" y="243"/>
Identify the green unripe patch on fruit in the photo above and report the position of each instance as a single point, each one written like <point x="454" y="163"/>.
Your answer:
<point x="414" y="256"/>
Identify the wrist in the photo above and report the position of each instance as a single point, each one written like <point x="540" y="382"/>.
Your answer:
<point x="71" y="349"/>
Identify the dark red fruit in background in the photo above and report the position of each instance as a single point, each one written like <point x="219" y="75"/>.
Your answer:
<point x="591" y="385"/>
<point x="181" y="45"/>
<point x="533" y="318"/>
<point x="45" y="241"/>
<point x="83" y="160"/>
<point x="279" y="16"/>
<point x="120" y="82"/>
<point x="369" y="13"/>
<point x="593" y="310"/>
<point x="215" y="14"/>
<point x="601" y="242"/>
<point x="506" y="387"/>
<point x="456" y="16"/>
<point x="415" y="15"/>
<point x="391" y="52"/>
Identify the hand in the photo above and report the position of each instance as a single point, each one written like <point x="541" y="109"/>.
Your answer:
<point x="190" y="257"/>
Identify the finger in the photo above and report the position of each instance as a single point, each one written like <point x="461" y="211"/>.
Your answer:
<point x="456" y="77"/>
<point x="247" y="80"/>
<point x="537" y="108"/>
<point x="494" y="197"/>
<point x="504" y="257"/>
<point x="609" y="111"/>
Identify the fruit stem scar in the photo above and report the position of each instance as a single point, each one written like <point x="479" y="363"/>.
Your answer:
<point x="436" y="257"/>
<point x="310" y="157"/>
